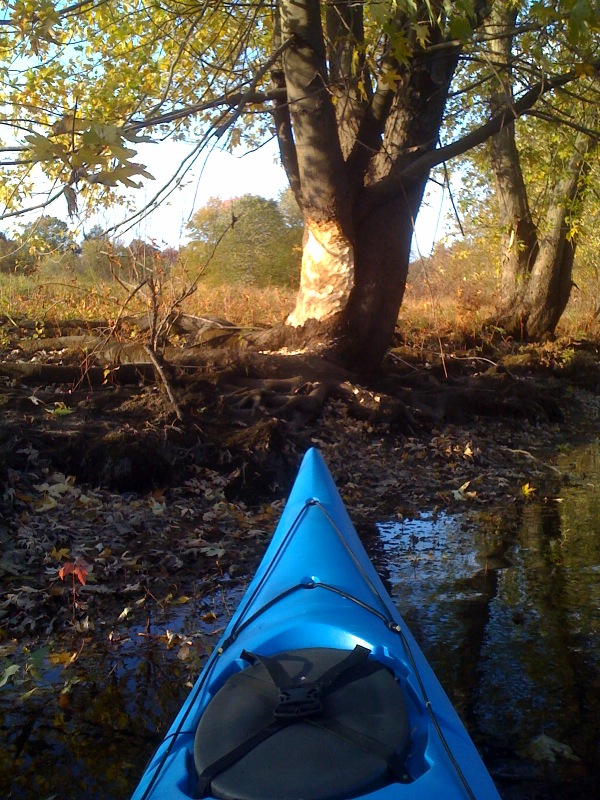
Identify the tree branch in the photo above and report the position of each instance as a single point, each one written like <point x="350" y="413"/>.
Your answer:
<point x="230" y="100"/>
<point x="393" y="185"/>
<point x="37" y="207"/>
<point x="555" y="119"/>
<point x="282" y="118"/>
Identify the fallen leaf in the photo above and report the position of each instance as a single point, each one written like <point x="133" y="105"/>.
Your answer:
<point x="180" y="600"/>
<point x="461" y="493"/>
<point x="63" y="659"/>
<point x="84" y="625"/>
<point x="60" y="410"/>
<point x="183" y="653"/>
<point x="213" y="550"/>
<point x="545" y="748"/>
<point x="47" y="504"/>
<point x="8" y="672"/>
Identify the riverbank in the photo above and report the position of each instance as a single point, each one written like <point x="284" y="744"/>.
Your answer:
<point x="127" y="533"/>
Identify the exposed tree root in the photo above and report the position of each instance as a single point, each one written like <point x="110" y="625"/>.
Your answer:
<point x="243" y="407"/>
<point x="35" y="373"/>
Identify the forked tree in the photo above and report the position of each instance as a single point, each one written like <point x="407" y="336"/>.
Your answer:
<point x="362" y="97"/>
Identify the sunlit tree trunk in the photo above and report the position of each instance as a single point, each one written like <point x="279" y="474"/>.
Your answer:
<point x="550" y="282"/>
<point x="519" y="245"/>
<point x="319" y="169"/>
<point x="536" y="267"/>
<point x="357" y="244"/>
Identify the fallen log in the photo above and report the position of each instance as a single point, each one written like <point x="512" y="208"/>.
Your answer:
<point x="31" y="373"/>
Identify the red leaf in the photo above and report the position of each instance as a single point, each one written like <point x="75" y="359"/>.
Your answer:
<point x="66" y="569"/>
<point x="79" y="568"/>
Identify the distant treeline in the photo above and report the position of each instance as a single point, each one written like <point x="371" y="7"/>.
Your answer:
<point x="248" y="240"/>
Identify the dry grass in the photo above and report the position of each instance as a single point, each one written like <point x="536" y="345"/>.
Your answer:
<point x="422" y="314"/>
<point x="248" y="306"/>
<point x="83" y="299"/>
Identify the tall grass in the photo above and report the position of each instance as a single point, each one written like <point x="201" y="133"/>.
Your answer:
<point x="89" y="298"/>
<point x="437" y="306"/>
<point x="246" y="306"/>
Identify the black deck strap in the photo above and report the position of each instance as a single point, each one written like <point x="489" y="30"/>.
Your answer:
<point x="210" y="772"/>
<point x="354" y="659"/>
<point x="329" y="681"/>
<point x="396" y="761"/>
<point x="353" y="666"/>
<point x="357" y="665"/>
<point x="279" y="675"/>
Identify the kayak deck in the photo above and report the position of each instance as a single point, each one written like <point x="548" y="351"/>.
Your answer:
<point x="316" y="589"/>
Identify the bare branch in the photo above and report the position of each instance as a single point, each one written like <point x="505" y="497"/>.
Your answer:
<point x="229" y="100"/>
<point x="45" y="204"/>
<point x="391" y="186"/>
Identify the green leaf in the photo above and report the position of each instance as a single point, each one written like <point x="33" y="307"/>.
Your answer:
<point x="60" y="410"/>
<point x="121" y="153"/>
<point x="37" y="658"/>
<point x="121" y="174"/>
<point x="460" y="28"/>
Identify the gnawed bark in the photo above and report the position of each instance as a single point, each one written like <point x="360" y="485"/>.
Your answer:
<point x="356" y="252"/>
<point x="327" y="274"/>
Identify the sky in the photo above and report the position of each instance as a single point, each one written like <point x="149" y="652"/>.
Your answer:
<point x="225" y="175"/>
<point x="220" y="175"/>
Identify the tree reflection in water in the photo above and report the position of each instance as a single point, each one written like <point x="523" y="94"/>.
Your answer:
<point x="510" y="620"/>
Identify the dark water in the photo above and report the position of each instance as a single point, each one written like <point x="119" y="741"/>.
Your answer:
<point x="509" y="619"/>
<point x="87" y="729"/>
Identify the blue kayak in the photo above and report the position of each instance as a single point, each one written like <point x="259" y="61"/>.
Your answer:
<point x="317" y="689"/>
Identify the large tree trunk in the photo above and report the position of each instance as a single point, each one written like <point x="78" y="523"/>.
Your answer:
<point x="537" y="280"/>
<point x="328" y="256"/>
<point x="357" y="249"/>
<point x="518" y="244"/>
<point x="549" y="286"/>
<point x="383" y="241"/>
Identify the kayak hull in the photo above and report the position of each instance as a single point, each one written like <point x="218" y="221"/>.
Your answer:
<point x="316" y="588"/>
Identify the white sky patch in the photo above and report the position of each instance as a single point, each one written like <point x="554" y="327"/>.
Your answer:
<point x="220" y="174"/>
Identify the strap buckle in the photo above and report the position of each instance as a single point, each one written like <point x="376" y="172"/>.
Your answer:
<point x="296" y="702"/>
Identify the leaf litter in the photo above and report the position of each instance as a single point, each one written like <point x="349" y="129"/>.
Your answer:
<point x="96" y="585"/>
<point x="110" y="601"/>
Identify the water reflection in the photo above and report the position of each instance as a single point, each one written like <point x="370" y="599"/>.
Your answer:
<point x="510" y="620"/>
<point x="87" y="729"/>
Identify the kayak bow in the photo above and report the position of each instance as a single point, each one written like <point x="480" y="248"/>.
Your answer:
<point x="317" y="689"/>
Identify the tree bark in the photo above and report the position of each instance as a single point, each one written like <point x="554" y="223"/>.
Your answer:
<point x="356" y="254"/>
<point x="519" y="245"/>
<point x="536" y="268"/>
<point x="383" y="244"/>
<point x="327" y="273"/>
<point x="549" y="286"/>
